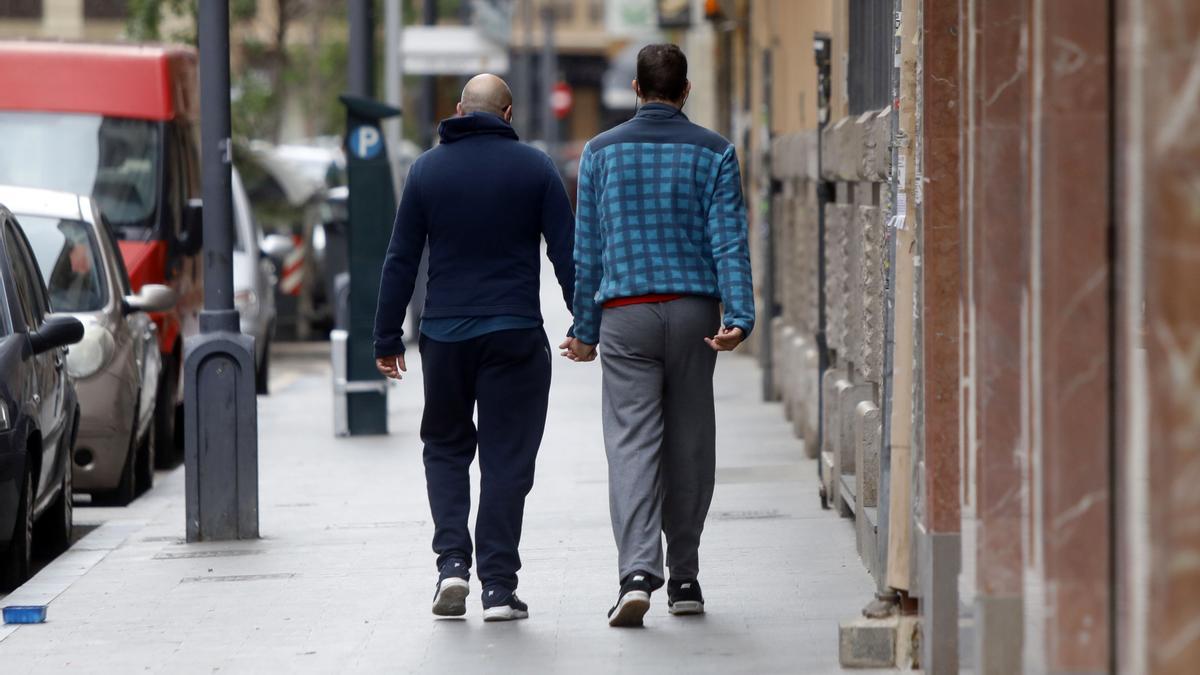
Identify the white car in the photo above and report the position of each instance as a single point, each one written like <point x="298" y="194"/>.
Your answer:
<point x="254" y="279"/>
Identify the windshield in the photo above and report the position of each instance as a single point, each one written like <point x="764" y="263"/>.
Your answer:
<point x="114" y="160"/>
<point x="66" y="253"/>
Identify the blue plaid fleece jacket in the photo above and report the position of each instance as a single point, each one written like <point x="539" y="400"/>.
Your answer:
<point x="660" y="210"/>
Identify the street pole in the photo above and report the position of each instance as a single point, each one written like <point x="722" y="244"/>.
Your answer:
<point x="549" y="78"/>
<point x="362" y="48"/>
<point x="524" y="107"/>
<point x="393" y="69"/>
<point x="360" y="391"/>
<point x="220" y="412"/>
<point x="429" y="16"/>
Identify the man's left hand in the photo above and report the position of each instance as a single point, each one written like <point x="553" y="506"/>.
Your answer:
<point x="726" y="339"/>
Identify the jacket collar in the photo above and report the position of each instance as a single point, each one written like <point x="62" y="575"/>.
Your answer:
<point x="659" y="111"/>
<point x="478" y="123"/>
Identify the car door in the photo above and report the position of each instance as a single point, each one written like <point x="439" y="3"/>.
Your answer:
<point x="51" y="377"/>
<point x="137" y="328"/>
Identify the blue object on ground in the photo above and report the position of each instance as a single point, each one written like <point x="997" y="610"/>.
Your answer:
<point x="25" y="614"/>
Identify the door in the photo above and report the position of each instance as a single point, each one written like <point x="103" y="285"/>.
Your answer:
<point x="135" y="331"/>
<point x="51" y="377"/>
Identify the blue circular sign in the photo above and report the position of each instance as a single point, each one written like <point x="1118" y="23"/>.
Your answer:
<point x="365" y="141"/>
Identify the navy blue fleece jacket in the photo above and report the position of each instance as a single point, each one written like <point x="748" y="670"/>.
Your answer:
<point x="483" y="201"/>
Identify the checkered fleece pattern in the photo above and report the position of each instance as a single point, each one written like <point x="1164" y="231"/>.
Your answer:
<point x="660" y="218"/>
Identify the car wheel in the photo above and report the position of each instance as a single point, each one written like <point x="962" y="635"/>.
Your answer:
<point x="54" y="527"/>
<point x="167" y="451"/>
<point x="126" y="490"/>
<point x="144" y="475"/>
<point x="14" y="569"/>
<point x="262" y="373"/>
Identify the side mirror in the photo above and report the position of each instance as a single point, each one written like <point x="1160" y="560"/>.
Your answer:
<point x="56" y="331"/>
<point x="192" y="239"/>
<point x="152" y="298"/>
<point x="277" y="246"/>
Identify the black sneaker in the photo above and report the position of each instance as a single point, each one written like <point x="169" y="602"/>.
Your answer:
<point x="684" y="597"/>
<point x="633" y="601"/>
<point x="450" y="598"/>
<point x="503" y="605"/>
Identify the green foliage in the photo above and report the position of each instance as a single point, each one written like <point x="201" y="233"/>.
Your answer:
<point x="318" y="78"/>
<point x="266" y="72"/>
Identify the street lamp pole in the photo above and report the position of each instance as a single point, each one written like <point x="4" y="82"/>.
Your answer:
<point x="362" y="49"/>
<point x="220" y="413"/>
<point x="549" y="79"/>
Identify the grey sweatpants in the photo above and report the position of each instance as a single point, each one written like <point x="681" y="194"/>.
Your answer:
<point x="659" y="430"/>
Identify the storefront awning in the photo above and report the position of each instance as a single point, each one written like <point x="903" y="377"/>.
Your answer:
<point x="450" y="50"/>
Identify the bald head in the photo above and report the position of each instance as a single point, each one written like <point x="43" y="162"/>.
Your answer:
<point x="486" y="93"/>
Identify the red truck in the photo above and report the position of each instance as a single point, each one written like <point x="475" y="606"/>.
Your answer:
<point x="119" y="123"/>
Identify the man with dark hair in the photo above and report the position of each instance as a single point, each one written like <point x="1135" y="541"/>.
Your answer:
<point x="483" y="202"/>
<point x="660" y="245"/>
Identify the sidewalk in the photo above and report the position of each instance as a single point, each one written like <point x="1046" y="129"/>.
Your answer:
<point x="342" y="579"/>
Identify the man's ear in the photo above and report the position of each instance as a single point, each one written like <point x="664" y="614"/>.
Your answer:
<point x="508" y="114"/>
<point x="458" y="109"/>
<point x="636" y="89"/>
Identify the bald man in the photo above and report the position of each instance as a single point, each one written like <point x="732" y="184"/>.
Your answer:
<point x="483" y="201"/>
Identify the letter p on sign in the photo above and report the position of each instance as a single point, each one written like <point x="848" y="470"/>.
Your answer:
<point x="365" y="141"/>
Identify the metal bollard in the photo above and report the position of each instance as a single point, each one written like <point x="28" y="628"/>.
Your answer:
<point x="342" y="387"/>
<point x="341" y="415"/>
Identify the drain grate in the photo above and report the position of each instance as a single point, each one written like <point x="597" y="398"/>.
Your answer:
<point x="183" y="555"/>
<point x="764" y="514"/>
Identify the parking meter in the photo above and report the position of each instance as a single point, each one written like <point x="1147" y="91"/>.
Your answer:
<point x="360" y="392"/>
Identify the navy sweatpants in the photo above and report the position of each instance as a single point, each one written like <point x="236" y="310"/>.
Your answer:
<point x="507" y="375"/>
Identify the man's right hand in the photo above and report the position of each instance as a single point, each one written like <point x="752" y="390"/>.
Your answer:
<point x="391" y="366"/>
<point x="578" y="351"/>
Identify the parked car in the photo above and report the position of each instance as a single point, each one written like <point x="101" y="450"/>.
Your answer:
<point x="254" y="279"/>
<point x="39" y="413"/>
<point x="286" y="202"/>
<point x="116" y="365"/>
<point x="119" y="122"/>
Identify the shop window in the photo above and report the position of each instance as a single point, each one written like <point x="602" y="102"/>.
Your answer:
<point x="21" y="9"/>
<point x="105" y="9"/>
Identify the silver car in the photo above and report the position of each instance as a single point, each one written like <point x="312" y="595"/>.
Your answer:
<point x="116" y="365"/>
<point x="254" y="279"/>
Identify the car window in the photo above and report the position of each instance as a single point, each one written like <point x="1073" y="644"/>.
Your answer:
<point x="23" y="279"/>
<point x="114" y="253"/>
<point x="176" y="185"/>
<point x="115" y="160"/>
<point x="5" y="322"/>
<point x="68" y="255"/>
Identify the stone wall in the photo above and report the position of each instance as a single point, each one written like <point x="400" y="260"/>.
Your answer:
<point x="856" y="164"/>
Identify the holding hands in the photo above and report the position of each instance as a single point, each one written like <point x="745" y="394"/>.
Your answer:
<point x="577" y="351"/>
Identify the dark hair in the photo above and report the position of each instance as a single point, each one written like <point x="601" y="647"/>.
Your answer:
<point x="662" y="72"/>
